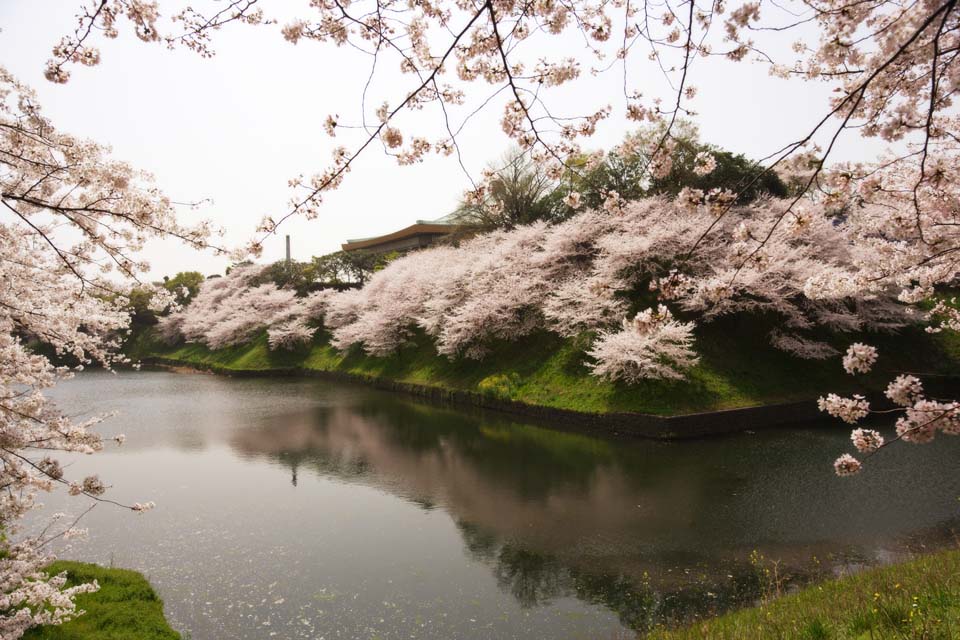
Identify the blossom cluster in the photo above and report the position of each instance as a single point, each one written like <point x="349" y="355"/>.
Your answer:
<point x="859" y="358"/>
<point x="29" y="597"/>
<point x="651" y="345"/>
<point x="905" y="390"/>
<point x="847" y="465"/>
<point x="866" y="440"/>
<point x="230" y="310"/>
<point x="921" y="420"/>
<point x="572" y="278"/>
<point x="850" y="410"/>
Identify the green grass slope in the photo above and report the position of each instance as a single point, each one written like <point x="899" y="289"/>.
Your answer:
<point x="918" y="600"/>
<point x="125" y="608"/>
<point x="738" y="368"/>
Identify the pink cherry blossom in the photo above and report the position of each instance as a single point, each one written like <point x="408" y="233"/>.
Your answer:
<point x="847" y="465"/>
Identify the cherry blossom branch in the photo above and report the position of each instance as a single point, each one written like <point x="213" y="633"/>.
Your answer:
<point x="345" y="165"/>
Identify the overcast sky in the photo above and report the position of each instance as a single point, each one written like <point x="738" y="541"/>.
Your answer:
<point x="236" y="127"/>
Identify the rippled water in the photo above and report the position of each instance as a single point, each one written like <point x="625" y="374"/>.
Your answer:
<point x="307" y="509"/>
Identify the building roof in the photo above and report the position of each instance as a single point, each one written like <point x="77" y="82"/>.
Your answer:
<point x="440" y="226"/>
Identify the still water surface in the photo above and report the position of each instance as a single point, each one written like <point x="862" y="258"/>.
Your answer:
<point x="307" y="509"/>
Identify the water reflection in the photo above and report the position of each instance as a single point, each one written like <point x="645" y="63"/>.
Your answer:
<point x="300" y="509"/>
<point x="658" y="533"/>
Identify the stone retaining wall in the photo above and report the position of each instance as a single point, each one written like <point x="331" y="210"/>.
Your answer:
<point x="695" y="425"/>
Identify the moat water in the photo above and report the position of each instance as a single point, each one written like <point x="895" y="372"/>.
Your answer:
<point x="307" y="509"/>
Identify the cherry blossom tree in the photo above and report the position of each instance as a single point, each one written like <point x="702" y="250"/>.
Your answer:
<point x="892" y="68"/>
<point x="650" y="345"/>
<point x="854" y="240"/>
<point x="235" y="308"/>
<point x="75" y="220"/>
<point x="580" y="277"/>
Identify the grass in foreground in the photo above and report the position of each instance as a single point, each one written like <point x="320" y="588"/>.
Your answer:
<point x="738" y="368"/>
<point x="125" y="608"/>
<point x="917" y="600"/>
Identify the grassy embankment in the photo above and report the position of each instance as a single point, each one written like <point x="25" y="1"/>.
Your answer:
<point x="738" y="368"/>
<point x="917" y="600"/>
<point x="125" y="608"/>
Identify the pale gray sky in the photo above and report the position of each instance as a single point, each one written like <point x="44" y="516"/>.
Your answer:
<point x="236" y="127"/>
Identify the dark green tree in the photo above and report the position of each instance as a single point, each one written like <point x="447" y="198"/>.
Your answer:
<point x="350" y="267"/>
<point x="295" y="275"/>
<point x="624" y="170"/>
<point x="139" y="307"/>
<point x="189" y="279"/>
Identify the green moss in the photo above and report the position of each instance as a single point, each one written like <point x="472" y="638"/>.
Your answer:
<point x="914" y="600"/>
<point x="738" y="368"/>
<point x="125" y="608"/>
